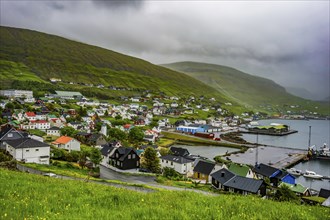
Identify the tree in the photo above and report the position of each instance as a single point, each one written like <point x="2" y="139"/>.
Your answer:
<point x="83" y="158"/>
<point x="68" y="131"/>
<point x="135" y="135"/>
<point x="284" y="193"/>
<point x="164" y="151"/>
<point x="150" y="160"/>
<point x="95" y="156"/>
<point x="117" y="134"/>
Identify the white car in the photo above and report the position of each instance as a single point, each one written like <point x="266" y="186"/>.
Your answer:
<point x="50" y="175"/>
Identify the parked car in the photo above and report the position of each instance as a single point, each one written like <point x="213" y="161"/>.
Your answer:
<point x="144" y="170"/>
<point x="50" y="175"/>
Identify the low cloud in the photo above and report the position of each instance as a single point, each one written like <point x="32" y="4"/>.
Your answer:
<point x="287" y="42"/>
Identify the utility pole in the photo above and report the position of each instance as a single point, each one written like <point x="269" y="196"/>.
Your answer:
<point x="309" y="136"/>
<point x="257" y="151"/>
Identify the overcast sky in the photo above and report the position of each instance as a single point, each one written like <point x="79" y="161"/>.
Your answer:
<point x="287" y="41"/>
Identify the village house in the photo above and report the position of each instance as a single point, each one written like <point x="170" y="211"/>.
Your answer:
<point x="275" y="175"/>
<point x="67" y="143"/>
<point x="28" y="150"/>
<point x="31" y="116"/>
<point x="8" y="132"/>
<point x="55" y="131"/>
<point x="180" y="164"/>
<point x="125" y="158"/>
<point x="203" y="170"/>
<point x="42" y="125"/>
<point x="241" y="170"/>
<point x="245" y="186"/>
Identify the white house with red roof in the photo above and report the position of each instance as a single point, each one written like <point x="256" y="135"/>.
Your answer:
<point x="31" y="116"/>
<point x="67" y="143"/>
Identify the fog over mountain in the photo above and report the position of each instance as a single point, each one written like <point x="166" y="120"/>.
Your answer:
<point x="286" y="41"/>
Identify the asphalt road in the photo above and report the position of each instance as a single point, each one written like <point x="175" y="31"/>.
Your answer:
<point x="109" y="174"/>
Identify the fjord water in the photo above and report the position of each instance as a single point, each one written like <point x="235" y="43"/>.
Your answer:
<point x="320" y="134"/>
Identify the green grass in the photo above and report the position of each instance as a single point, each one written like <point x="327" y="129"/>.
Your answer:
<point x="35" y="197"/>
<point x="248" y="90"/>
<point x="43" y="56"/>
<point x="194" y="140"/>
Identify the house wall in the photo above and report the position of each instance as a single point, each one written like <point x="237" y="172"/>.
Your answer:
<point x="74" y="145"/>
<point x="42" y="126"/>
<point x="130" y="162"/>
<point x="201" y="176"/>
<point x="54" y="132"/>
<point x="30" y="155"/>
<point x="180" y="168"/>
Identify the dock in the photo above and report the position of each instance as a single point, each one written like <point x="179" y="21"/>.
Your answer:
<point x="289" y="161"/>
<point x="278" y="157"/>
<point x="269" y="133"/>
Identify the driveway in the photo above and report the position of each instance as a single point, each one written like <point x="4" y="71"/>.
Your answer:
<point x="108" y="174"/>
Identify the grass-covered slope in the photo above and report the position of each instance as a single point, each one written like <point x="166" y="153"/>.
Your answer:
<point x="28" y="196"/>
<point x="26" y="54"/>
<point x="246" y="89"/>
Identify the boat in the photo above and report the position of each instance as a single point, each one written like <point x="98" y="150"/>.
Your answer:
<point x="294" y="171"/>
<point x="312" y="174"/>
<point x="324" y="152"/>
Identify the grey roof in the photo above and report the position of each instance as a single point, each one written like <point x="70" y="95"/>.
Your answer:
<point x="244" y="183"/>
<point x="264" y="170"/>
<point x="176" y="159"/>
<point x="204" y="167"/>
<point x="179" y="151"/>
<point x="324" y="193"/>
<point x="222" y="176"/>
<point x="106" y="150"/>
<point x="54" y="128"/>
<point x="26" y="143"/>
<point x="68" y="93"/>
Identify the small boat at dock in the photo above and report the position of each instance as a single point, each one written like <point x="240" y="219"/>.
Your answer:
<point x="312" y="174"/>
<point x="294" y="171"/>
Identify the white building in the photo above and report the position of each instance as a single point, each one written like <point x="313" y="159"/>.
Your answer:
<point x="55" y="131"/>
<point x="42" y="125"/>
<point x="17" y="93"/>
<point x="28" y="150"/>
<point x="180" y="164"/>
<point x="67" y="143"/>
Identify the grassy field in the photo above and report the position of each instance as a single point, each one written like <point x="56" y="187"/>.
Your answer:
<point x="27" y="196"/>
<point x="39" y="57"/>
<point x="247" y="90"/>
<point x="194" y="140"/>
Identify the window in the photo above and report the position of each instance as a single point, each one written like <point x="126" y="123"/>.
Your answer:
<point x="167" y="161"/>
<point x="171" y="163"/>
<point x="133" y="156"/>
<point x="117" y="155"/>
<point x="162" y="161"/>
<point x="118" y="163"/>
<point x="37" y="149"/>
<point x="27" y="150"/>
<point x="10" y="135"/>
<point x="129" y="156"/>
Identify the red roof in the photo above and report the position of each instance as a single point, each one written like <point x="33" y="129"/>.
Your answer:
<point x="42" y="121"/>
<point x="30" y="114"/>
<point x="127" y="126"/>
<point x="63" y="140"/>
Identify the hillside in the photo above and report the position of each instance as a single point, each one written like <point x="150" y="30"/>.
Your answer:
<point x="31" y="55"/>
<point x="248" y="90"/>
<point x="36" y="197"/>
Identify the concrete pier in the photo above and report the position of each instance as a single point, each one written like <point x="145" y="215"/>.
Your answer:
<point x="278" y="157"/>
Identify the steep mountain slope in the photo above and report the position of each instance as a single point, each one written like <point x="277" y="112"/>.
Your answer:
<point x="251" y="91"/>
<point x="30" y="55"/>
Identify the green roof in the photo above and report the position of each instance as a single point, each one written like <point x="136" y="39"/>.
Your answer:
<point x="68" y="93"/>
<point x="298" y="188"/>
<point x="269" y="127"/>
<point x="241" y="170"/>
<point x="315" y="198"/>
